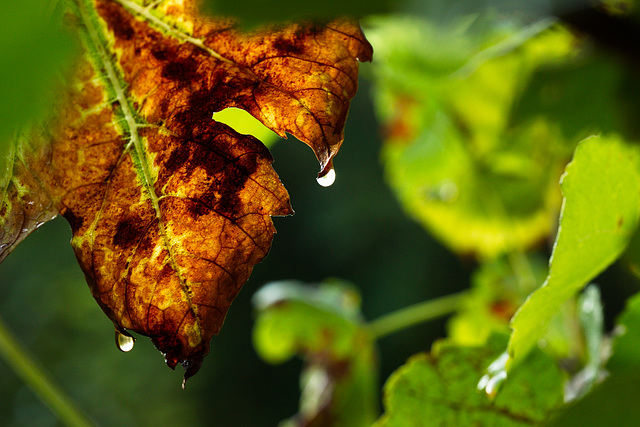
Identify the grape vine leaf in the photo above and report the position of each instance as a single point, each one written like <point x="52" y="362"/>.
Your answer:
<point x="599" y="216"/>
<point x="439" y="388"/>
<point x="169" y="209"/>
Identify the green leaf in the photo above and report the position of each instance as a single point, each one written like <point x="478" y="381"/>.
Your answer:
<point x="251" y="13"/>
<point x="599" y="216"/>
<point x="440" y="389"/>
<point x="244" y="123"/>
<point x="35" y="50"/>
<point x="478" y="182"/>
<point x="614" y="401"/>
<point x="322" y="325"/>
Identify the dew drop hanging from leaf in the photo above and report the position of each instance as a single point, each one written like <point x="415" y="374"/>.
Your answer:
<point x="124" y="341"/>
<point x="327" y="177"/>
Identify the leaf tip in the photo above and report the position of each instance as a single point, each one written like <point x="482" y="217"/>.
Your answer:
<point x="191" y="366"/>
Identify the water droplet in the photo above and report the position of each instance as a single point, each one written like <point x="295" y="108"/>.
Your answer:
<point x="495" y="377"/>
<point x="124" y="340"/>
<point x="492" y="384"/>
<point x="327" y="176"/>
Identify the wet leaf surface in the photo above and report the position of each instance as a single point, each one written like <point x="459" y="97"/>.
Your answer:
<point x="169" y="209"/>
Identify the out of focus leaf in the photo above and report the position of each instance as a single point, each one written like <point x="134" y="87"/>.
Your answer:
<point x="480" y="183"/>
<point x="322" y="325"/>
<point x="498" y="288"/>
<point x="35" y="49"/>
<point x="439" y="389"/>
<point x="251" y="13"/>
<point x="615" y="400"/>
<point x="591" y="317"/>
<point x="598" y="218"/>
<point x="560" y="94"/>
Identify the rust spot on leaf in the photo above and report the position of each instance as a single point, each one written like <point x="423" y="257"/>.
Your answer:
<point x="128" y="232"/>
<point x="181" y="70"/>
<point x="75" y="221"/>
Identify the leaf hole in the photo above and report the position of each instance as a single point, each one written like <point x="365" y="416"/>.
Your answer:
<point x="244" y="123"/>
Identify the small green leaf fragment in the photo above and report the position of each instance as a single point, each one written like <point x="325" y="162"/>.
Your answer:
<point x="244" y="123"/>
<point x="321" y="325"/>
<point x="599" y="216"/>
<point x="440" y="389"/>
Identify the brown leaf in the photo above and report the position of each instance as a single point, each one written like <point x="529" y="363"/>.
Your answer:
<point x="169" y="209"/>
<point x="24" y="206"/>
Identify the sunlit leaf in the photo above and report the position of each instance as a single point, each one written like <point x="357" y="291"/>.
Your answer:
<point x="440" y="389"/>
<point x="322" y="325"/>
<point x="170" y="210"/>
<point x="244" y="123"/>
<point x="599" y="216"/>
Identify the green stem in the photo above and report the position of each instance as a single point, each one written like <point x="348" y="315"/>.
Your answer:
<point x="415" y="314"/>
<point x="34" y="376"/>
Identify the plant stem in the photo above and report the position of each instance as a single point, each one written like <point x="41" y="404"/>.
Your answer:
<point x="35" y="377"/>
<point x="415" y="314"/>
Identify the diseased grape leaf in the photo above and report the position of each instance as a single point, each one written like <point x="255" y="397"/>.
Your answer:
<point x="439" y="389"/>
<point x="169" y="209"/>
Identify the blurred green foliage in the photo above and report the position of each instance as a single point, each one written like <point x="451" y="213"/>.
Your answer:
<point x="244" y="123"/>
<point x="615" y="400"/>
<point x="468" y="154"/>
<point x="497" y="290"/>
<point x="252" y="13"/>
<point x="323" y="326"/>
<point x="36" y="51"/>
